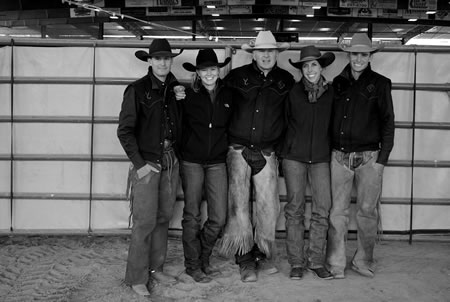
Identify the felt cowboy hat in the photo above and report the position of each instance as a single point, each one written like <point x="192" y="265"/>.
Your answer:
<point x="205" y="58"/>
<point x="310" y="53"/>
<point x="264" y="40"/>
<point x="158" y="48"/>
<point x="360" y="43"/>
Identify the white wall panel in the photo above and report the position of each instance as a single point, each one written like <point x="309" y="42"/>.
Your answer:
<point x="5" y="99"/>
<point x="51" y="177"/>
<point x="402" y="145"/>
<point x="432" y="183"/>
<point x="5" y="176"/>
<point x="5" y="214"/>
<point x="53" y="61"/>
<point x="118" y="62"/>
<point x="106" y="141"/>
<point x="51" y="214"/>
<point x="431" y="217"/>
<point x="432" y="144"/>
<point x="108" y="100"/>
<point x="110" y="214"/>
<point x="110" y="177"/>
<point x="52" y="99"/>
<point x="396" y="182"/>
<point x="433" y="106"/>
<point x="51" y="138"/>
<point x="5" y="135"/>
<point x="5" y="61"/>
<point x="403" y="105"/>
<point x="433" y="68"/>
<point x="397" y="66"/>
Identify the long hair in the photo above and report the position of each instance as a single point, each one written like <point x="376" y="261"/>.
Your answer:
<point x="196" y="82"/>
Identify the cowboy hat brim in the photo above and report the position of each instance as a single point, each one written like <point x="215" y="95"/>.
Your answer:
<point x="361" y="48"/>
<point x="143" y="55"/>
<point x="280" y="47"/>
<point x="324" y="60"/>
<point x="192" y="68"/>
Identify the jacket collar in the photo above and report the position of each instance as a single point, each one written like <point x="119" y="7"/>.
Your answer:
<point x="156" y="83"/>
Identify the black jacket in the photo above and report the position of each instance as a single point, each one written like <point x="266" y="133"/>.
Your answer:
<point x="307" y="137"/>
<point x="258" y="113"/>
<point x="363" y="117"/>
<point x="141" y="120"/>
<point x="205" y="125"/>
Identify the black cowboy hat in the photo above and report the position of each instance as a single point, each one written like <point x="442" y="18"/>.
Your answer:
<point x="158" y="48"/>
<point x="310" y="53"/>
<point x="205" y="58"/>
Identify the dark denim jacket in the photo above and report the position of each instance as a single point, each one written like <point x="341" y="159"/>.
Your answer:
<point x="258" y="115"/>
<point x="363" y="113"/>
<point x="141" y="128"/>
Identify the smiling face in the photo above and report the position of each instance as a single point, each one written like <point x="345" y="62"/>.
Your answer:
<point x="312" y="70"/>
<point x="161" y="66"/>
<point x="209" y="76"/>
<point x="358" y="62"/>
<point x="265" y="59"/>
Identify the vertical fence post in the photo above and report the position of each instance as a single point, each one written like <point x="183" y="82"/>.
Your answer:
<point x="91" y="159"/>
<point x="11" y="158"/>
<point x="411" y="201"/>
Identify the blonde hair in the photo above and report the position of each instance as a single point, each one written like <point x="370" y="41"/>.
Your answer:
<point x="196" y="82"/>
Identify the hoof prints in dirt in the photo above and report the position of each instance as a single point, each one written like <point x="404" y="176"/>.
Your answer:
<point x="45" y="272"/>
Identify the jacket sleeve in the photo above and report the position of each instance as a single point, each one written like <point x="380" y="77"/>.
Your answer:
<point x="387" y="124"/>
<point x="126" y="131"/>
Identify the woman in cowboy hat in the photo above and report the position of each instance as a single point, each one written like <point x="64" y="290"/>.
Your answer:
<point x="149" y="132"/>
<point x="306" y="156"/>
<point x="206" y="112"/>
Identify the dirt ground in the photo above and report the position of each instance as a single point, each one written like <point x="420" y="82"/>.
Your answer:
<point x="82" y="268"/>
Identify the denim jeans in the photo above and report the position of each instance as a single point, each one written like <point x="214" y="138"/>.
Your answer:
<point x="153" y="199"/>
<point x="241" y="232"/>
<point x="361" y="169"/>
<point x="199" y="242"/>
<point x="296" y="175"/>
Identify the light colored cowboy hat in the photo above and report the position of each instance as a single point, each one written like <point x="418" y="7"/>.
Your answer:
<point x="361" y="43"/>
<point x="158" y="48"/>
<point x="265" y="40"/>
<point x="205" y="58"/>
<point x="310" y="53"/>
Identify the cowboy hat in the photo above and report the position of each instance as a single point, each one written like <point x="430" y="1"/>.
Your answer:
<point x="310" y="53"/>
<point x="205" y="58"/>
<point x="158" y="48"/>
<point x="264" y="40"/>
<point x="360" y="43"/>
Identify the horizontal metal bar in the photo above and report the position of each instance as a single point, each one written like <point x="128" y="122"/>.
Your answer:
<point x="423" y="125"/>
<point x="115" y="119"/>
<point x="422" y="86"/>
<point x="190" y="45"/>
<point x="125" y="81"/>
<point x="121" y="197"/>
<point x="123" y="158"/>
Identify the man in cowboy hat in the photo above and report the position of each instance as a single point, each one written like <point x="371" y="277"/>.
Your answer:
<point x="257" y="123"/>
<point x="362" y="139"/>
<point x="149" y="132"/>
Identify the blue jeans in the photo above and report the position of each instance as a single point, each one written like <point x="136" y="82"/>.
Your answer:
<point x="241" y="232"/>
<point x="296" y="175"/>
<point x="199" y="242"/>
<point x="361" y="169"/>
<point x="153" y="199"/>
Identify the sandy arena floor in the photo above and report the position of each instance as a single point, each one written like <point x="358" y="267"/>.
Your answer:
<point x="81" y="268"/>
